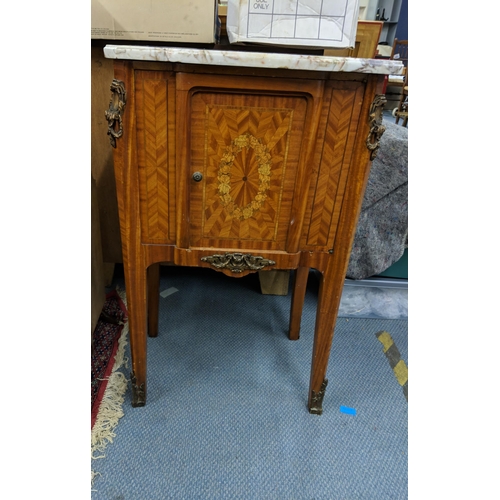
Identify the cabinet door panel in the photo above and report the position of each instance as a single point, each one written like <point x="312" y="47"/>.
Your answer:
<point x="247" y="146"/>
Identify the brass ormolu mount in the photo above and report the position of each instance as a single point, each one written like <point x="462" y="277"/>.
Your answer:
<point x="114" y="113"/>
<point x="238" y="262"/>
<point x="376" y="127"/>
<point x="317" y="399"/>
<point x="138" y="392"/>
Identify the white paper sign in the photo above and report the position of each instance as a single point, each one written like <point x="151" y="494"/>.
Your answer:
<point x="311" y="23"/>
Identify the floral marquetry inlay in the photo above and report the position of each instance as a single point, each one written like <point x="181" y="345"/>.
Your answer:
<point x="247" y="147"/>
<point x="244" y="179"/>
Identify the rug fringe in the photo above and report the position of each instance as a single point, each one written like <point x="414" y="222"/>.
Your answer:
<point x="110" y="409"/>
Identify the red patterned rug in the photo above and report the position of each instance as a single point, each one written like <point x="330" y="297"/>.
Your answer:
<point x="105" y="341"/>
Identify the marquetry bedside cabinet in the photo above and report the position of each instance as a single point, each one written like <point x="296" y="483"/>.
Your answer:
<point x="241" y="162"/>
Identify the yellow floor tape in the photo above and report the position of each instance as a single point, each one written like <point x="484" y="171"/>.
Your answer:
<point x="386" y="340"/>
<point x="397" y="364"/>
<point x="401" y="372"/>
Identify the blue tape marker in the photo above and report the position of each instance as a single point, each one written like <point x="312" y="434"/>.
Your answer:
<point x="349" y="411"/>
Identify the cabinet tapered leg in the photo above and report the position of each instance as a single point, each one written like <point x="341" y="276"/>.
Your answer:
<point x="298" y="296"/>
<point x="153" y="299"/>
<point x="135" y="283"/>
<point x="330" y="292"/>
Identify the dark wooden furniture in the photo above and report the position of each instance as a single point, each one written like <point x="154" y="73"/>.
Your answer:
<point x="240" y="170"/>
<point x="367" y="37"/>
<point x="400" y="52"/>
<point x="97" y="281"/>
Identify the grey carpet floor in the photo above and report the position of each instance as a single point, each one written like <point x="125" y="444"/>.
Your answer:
<point x="226" y="414"/>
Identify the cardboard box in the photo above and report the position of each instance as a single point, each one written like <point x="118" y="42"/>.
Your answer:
<point x="310" y="23"/>
<point x="155" y="20"/>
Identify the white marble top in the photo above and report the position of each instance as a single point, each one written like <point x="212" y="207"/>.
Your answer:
<point x="254" y="59"/>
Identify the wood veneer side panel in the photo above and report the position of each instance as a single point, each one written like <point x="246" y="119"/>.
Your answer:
<point x="349" y="120"/>
<point x="123" y="154"/>
<point x="102" y="157"/>
<point x="358" y="175"/>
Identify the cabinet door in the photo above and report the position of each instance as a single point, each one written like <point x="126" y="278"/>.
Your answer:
<point x="248" y="144"/>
